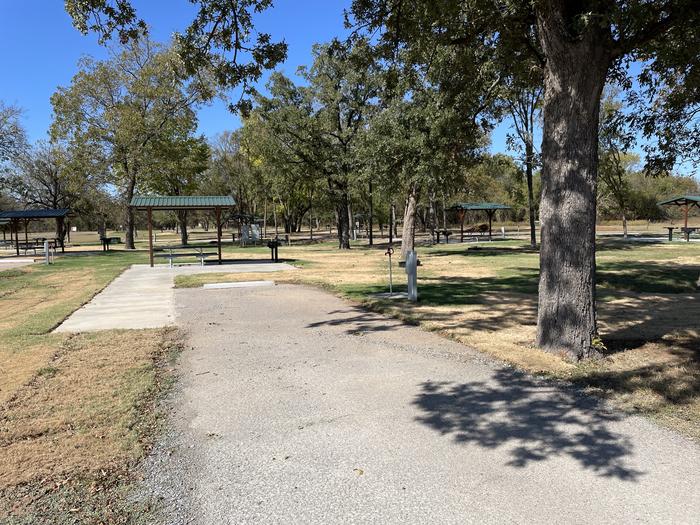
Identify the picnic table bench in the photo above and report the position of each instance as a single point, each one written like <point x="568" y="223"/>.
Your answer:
<point x="36" y="244"/>
<point x="174" y="252"/>
<point x="686" y="231"/>
<point x="445" y="233"/>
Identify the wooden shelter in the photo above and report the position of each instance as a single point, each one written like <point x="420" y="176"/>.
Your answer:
<point x="489" y="207"/>
<point x="684" y="201"/>
<point x="17" y="217"/>
<point x="215" y="203"/>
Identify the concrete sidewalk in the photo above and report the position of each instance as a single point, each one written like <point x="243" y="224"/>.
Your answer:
<point x="144" y="297"/>
<point x="296" y="407"/>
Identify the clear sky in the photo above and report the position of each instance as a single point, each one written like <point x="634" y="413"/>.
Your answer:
<point x="39" y="50"/>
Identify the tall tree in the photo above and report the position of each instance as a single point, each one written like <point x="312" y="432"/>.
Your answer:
<point x="47" y="177"/>
<point x="121" y="107"/>
<point x="13" y="139"/>
<point x="221" y="39"/>
<point x="176" y="168"/>
<point x="615" y="140"/>
<point x="524" y="103"/>
<point x="319" y="126"/>
<point x="577" y="46"/>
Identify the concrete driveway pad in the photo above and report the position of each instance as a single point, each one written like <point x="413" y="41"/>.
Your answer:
<point x="295" y="407"/>
<point x="144" y="297"/>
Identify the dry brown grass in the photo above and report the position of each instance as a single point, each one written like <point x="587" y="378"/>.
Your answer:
<point x="76" y="412"/>
<point x="25" y="348"/>
<point x="84" y="419"/>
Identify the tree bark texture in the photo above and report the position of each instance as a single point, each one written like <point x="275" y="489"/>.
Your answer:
<point x="574" y="77"/>
<point x="182" y="219"/>
<point x="408" y="231"/>
<point x="129" y="222"/>
<point x="529" y="162"/>
<point x="343" y="221"/>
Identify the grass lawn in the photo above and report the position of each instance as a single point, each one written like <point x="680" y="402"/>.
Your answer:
<point x="485" y="296"/>
<point x="76" y="411"/>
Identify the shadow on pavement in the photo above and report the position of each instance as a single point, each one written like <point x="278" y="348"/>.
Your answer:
<point x="538" y="422"/>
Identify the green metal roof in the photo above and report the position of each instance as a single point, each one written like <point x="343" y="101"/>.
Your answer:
<point x="475" y="206"/>
<point x="682" y="200"/>
<point x="177" y="202"/>
<point x="35" y="214"/>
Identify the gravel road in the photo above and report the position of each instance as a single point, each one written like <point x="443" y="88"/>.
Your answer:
<point x="295" y="407"/>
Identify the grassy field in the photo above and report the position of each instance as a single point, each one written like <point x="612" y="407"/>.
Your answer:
<point x="76" y="411"/>
<point x="485" y="296"/>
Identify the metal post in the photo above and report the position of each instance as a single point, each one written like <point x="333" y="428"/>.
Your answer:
<point x="218" y="232"/>
<point x="46" y="252"/>
<point x="371" y="215"/>
<point x="390" y="251"/>
<point x="490" y="214"/>
<point x="15" y="222"/>
<point x="150" y="235"/>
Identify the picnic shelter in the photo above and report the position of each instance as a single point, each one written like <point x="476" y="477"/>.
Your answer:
<point x="16" y="217"/>
<point x="211" y="203"/>
<point x="489" y="207"/>
<point x="686" y="202"/>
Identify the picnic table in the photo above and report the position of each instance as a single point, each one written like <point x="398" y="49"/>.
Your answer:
<point x="445" y="233"/>
<point x="184" y="250"/>
<point x="686" y="230"/>
<point x="37" y="243"/>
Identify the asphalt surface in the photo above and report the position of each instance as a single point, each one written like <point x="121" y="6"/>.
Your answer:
<point x="294" y="407"/>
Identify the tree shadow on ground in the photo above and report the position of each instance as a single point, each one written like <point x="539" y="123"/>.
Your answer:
<point x="648" y="277"/>
<point x="357" y="321"/>
<point x="537" y="422"/>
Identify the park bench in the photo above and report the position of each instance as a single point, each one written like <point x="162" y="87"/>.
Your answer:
<point x="175" y="252"/>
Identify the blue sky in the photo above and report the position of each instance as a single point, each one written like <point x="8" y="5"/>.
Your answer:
<point x="39" y="50"/>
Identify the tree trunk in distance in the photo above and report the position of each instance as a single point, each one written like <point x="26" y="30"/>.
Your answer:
<point x="574" y="77"/>
<point x="342" y="209"/>
<point x="182" y="219"/>
<point x="129" y="215"/>
<point x="624" y="225"/>
<point x="529" y="161"/>
<point x="409" y="221"/>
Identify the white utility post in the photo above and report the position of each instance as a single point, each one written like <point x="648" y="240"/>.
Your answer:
<point x="47" y="253"/>
<point x="412" y="273"/>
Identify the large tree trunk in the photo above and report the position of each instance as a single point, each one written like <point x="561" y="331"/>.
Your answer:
<point x="529" y="162"/>
<point x="129" y="214"/>
<point x="409" y="221"/>
<point x="343" y="221"/>
<point x="575" y="73"/>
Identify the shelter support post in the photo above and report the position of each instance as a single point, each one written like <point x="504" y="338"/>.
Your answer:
<point x="461" y="214"/>
<point x="490" y="214"/>
<point x="218" y="232"/>
<point x="371" y="215"/>
<point x="150" y="236"/>
<point x="16" y="224"/>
